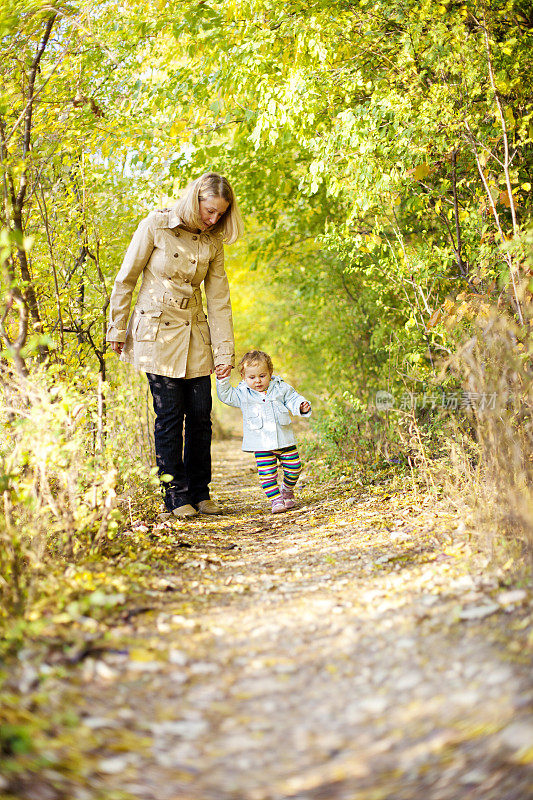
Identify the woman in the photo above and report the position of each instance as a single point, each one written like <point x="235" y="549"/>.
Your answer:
<point x="168" y="336"/>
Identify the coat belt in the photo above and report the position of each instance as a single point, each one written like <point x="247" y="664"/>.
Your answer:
<point x="171" y="299"/>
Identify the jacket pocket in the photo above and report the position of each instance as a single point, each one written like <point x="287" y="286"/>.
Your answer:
<point x="203" y="327"/>
<point x="282" y="415"/>
<point x="147" y="326"/>
<point x="254" y="420"/>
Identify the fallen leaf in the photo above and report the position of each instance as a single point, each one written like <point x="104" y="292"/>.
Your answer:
<point x="478" y="612"/>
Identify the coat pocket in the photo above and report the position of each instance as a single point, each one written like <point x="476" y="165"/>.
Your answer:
<point x="147" y="326"/>
<point x="203" y="327"/>
<point x="282" y="415"/>
<point x="254" y="419"/>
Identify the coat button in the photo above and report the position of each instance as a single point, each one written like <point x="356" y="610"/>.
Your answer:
<point x="167" y="323"/>
<point x="142" y="312"/>
<point x="176" y="255"/>
<point x="187" y="322"/>
<point x="186" y="280"/>
<point x="192" y="260"/>
<point x="194" y="238"/>
<point x="176" y="233"/>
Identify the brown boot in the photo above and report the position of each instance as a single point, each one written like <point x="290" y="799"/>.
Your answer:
<point x="209" y="507"/>
<point x="184" y="512"/>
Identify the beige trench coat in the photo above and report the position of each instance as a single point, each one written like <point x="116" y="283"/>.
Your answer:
<point x="168" y="332"/>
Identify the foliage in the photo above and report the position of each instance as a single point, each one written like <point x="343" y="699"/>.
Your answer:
<point x="382" y="154"/>
<point x="61" y="490"/>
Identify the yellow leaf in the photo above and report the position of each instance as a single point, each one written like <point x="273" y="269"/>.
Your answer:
<point x="61" y="618"/>
<point x="434" y="318"/>
<point x="177" y="127"/>
<point x="421" y="172"/>
<point x="523" y="756"/>
<point x="509" y="118"/>
<point x="504" y="198"/>
<point x="140" y="654"/>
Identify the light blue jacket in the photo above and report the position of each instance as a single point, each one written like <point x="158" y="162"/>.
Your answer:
<point x="265" y="417"/>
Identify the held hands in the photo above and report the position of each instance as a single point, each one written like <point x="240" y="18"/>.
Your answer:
<point x="305" y="407"/>
<point x="223" y="370"/>
<point x="117" y="347"/>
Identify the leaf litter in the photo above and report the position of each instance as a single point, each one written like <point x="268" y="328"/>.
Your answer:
<point x="357" y="648"/>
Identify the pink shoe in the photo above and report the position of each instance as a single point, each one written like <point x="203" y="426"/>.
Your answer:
<point x="278" y="505"/>
<point x="287" y="496"/>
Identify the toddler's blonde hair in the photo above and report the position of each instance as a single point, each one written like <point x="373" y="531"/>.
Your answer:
<point x="255" y="357"/>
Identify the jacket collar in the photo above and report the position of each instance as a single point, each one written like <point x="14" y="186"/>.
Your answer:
<point x="173" y="218"/>
<point x="274" y="381"/>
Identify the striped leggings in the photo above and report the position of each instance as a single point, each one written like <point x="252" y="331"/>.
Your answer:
<point x="267" y="467"/>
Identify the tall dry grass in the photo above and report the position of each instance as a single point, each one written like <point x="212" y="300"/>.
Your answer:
<point x="496" y="468"/>
<point x="65" y="465"/>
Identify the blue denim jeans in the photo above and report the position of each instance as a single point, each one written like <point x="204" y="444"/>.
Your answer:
<point x="182" y="434"/>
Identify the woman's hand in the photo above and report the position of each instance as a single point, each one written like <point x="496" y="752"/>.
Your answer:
<point x="117" y="347"/>
<point x="223" y="370"/>
<point x="305" y="407"/>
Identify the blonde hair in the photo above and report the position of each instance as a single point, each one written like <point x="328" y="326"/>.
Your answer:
<point x="211" y="184"/>
<point x="255" y="357"/>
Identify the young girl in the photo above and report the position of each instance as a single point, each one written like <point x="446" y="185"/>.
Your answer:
<point x="265" y="401"/>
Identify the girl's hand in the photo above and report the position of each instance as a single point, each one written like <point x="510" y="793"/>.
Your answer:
<point x="117" y="347"/>
<point x="305" y="407"/>
<point x="223" y="370"/>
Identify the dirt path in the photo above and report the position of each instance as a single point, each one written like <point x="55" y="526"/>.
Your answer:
<point x="342" y="650"/>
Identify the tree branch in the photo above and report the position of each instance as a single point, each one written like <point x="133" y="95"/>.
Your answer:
<point x="28" y="113"/>
<point x="460" y="263"/>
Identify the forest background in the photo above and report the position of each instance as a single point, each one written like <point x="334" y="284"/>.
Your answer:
<point x="381" y="152"/>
